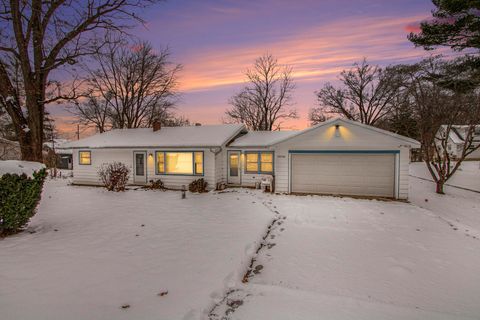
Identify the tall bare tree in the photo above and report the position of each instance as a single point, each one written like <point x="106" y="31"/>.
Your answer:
<point x="367" y="94"/>
<point x="131" y="86"/>
<point x="267" y="99"/>
<point x="38" y="37"/>
<point x="441" y="98"/>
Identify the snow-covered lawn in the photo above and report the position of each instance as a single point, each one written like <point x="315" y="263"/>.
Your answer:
<point x="94" y="251"/>
<point x="467" y="176"/>
<point x="324" y="258"/>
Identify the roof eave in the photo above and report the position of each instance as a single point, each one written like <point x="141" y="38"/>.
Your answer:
<point x="412" y="142"/>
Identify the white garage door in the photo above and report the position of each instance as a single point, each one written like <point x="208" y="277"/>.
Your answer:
<point x="345" y="174"/>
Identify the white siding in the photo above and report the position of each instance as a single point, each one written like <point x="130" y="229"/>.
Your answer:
<point x="221" y="166"/>
<point x="87" y="174"/>
<point x="474" y="155"/>
<point x="351" y="137"/>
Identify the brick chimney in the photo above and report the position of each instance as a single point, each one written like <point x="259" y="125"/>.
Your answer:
<point x="157" y="125"/>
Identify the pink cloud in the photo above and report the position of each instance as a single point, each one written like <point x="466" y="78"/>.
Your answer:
<point x="413" y="27"/>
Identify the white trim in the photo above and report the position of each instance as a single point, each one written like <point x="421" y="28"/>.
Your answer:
<point x="397" y="176"/>
<point x="145" y="165"/>
<point x="412" y="142"/>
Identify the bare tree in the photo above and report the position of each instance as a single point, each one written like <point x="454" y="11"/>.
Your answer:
<point x="317" y="115"/>
<point x="266" y="101"/>
<point x="38" y="37"/>
<point x="92" y="112"/>
<point x="438" y="107"/>
<point x="367" y="94"/>
<point x="132" y="86"/>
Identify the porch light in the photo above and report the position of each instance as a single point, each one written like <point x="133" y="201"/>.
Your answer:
<point x="337" y="130"/>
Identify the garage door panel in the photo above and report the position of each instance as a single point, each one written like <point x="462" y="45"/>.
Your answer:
<point x="362" y="174"/>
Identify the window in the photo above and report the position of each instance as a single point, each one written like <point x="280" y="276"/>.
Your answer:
<point x="84" y="157"/>
<point x="252" y="162"/>
<point x="160" y="162"/>
<point x="259" y="162"/>
<point x="198" y="162"/>
<point x="266" y="162"/>
<point x="182" y="162"/>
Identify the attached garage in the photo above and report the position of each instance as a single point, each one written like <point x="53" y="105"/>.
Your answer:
<point x="335" y="157"/>
<point x="360" y="173"/>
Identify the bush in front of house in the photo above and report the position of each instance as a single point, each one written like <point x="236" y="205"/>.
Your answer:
<point x="114" y="176"/>
<point x="198" y="185"/>
<point x="19" y="196"/>
<point x="156" y="185"/>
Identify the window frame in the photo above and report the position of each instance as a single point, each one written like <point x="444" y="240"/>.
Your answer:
<point x="79" y="158"/>
<point x="259" y="162"/>
<point x="165" y="173"/>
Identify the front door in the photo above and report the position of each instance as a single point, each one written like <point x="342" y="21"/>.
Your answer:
<point x="140" y="167"/>
<point x="234" y="167"/>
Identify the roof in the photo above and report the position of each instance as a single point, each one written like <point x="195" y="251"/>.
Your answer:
<point x="262" y="138"/>
<point x="59" y="146"/>
<point x="190" y="136"/>
<point x="409" y="141"/>
<point x="458" y="132"/>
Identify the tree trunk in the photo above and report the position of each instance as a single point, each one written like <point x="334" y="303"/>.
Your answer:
<point x="31" y="138"/>
<point x="439" y="188"/>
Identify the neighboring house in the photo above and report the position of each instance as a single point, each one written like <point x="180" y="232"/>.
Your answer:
<point x="9" y="150"/>
<point x="64" y="155"/>
<point x="335" y="157"/>
<point x="456" y="141"/>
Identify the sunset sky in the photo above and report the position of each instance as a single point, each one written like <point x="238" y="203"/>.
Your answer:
<point x="216" y="41"/>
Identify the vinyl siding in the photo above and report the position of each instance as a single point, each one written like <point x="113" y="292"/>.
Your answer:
<point x="221" y="166"/>
<point x="87" y="174"/>
<point x="351" y="138"/>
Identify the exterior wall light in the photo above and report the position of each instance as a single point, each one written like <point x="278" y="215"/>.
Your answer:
<point x="337" y="130"/>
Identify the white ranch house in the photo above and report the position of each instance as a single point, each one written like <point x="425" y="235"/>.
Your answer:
<point x="338" y="157"/>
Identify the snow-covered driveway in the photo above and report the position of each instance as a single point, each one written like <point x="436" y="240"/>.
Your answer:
<point x="337" y="258"/>
<point x="94" y="251"/>
<point x="360" y="259"/>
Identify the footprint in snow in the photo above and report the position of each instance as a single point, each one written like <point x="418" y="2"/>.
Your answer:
<point x="258" y="269"/>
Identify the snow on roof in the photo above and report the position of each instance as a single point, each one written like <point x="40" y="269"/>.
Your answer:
<point x="262" y="138"/>
<point x="410" y="141"/>
<point x="190" y="136"/>
<point x="458" y="132"/>
<point x="19" y="167"/>
<point x="59" y="145"/>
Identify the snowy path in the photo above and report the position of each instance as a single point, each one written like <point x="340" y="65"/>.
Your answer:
<point x="359" y="259"/>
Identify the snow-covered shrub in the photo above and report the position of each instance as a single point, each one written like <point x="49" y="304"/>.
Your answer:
<point x="198" y="185"/>
<point x="114" y="176"/>
<point x="156" y="184"/>
<point x="19" y="195"/>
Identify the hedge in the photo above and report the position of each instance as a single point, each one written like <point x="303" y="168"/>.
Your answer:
<point x="19" y="196"/>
